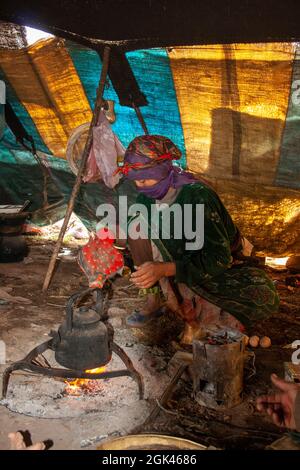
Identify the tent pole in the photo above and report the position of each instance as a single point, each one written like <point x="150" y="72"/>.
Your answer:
<point x="86" y="152"/>
<point x="140" y="118"/>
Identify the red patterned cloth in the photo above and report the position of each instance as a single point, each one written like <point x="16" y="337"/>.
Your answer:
<point x="99" y="259"/>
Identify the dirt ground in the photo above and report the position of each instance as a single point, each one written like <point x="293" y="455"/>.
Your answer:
<point x="25" y="325"/>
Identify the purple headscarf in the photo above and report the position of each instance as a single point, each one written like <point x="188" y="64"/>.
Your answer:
<point x="150" y="157"/>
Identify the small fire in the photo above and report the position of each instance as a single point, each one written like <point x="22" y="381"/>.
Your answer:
<point x="79" y="386"/>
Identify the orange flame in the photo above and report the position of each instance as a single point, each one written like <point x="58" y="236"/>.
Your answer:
<point x="75" y="387"/>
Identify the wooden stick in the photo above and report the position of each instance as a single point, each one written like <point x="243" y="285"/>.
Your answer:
<point x="86" y="152"/>
<point x="166" y="394"/>
<point x="140" y="118"/>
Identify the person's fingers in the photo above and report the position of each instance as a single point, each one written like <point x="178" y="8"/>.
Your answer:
<point x="144" y="284"/>
<point x="283" y="385"/>
<point x="274" y="398"/>
<point x="260" y="406"/>
<point x="147" y="284"/>
<point x="261" y="399"/>
<point x="136" y="283"/>
<point x="145" y="278"/>
<point x="140" y="285"/>
<point x="37" y="446"/>
<point x="265" y="407"/>
<point x="276" y="407"/>
<point x="276" y="419"/>
<point x="136" y="274"/>
<point x="16" y="441"/>
<point x="144" y="265"/>
<point x="139" y="278"/>
<point x="142" y="272"/>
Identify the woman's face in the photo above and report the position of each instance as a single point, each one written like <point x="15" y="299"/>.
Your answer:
<point x="145" y="183"/>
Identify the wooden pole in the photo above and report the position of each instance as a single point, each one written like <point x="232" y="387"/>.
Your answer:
<point x="140" y="118"/>
<point x="86" y="152"/>
<point x="166" y="394"/>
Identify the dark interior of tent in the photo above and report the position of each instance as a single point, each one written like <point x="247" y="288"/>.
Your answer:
<point x="118" y="332"/>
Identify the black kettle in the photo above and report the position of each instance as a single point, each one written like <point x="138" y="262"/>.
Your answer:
<point x="84" y="340"/>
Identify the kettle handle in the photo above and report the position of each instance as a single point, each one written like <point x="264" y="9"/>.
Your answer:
<point x="70" y="306"/>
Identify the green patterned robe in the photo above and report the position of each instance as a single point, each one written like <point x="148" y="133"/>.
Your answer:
<point x="245" y="292"/>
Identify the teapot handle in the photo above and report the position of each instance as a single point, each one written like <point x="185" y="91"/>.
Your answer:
<point x="70" y="306"/>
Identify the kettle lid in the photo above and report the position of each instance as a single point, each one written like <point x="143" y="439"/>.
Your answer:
<point x="84" y="316"/>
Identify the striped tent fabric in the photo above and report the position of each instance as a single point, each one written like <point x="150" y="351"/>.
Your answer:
<point x="233" y="110"/>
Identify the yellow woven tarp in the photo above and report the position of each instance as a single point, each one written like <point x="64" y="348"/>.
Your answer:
<point x="269" y="217"/>
<point x="233" y="101"/>
<point x="47" y="84"/>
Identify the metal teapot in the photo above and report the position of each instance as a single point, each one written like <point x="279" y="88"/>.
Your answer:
<point x="84" y="340"/>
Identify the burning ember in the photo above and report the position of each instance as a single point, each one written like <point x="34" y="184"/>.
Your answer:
<point x="78" y="387"/>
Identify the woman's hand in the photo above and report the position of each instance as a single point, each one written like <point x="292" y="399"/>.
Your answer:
<point x="147" y="274"/>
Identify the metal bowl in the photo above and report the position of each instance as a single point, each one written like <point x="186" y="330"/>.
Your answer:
<point x="150" y="442"/>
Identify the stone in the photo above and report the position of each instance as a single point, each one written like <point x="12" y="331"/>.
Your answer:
<point x="116" y="312"/>
<point x="116" y="322"/>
